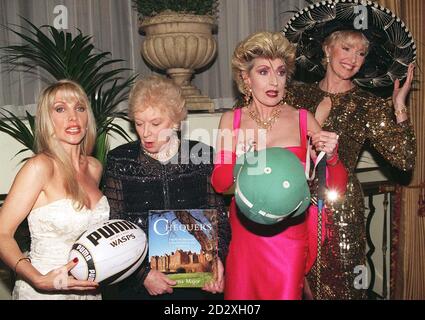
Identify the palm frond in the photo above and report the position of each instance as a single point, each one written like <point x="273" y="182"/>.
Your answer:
<point x="119" y="131"/>
<point x="16" y="128"/>
<point x="64" y="56"/>
<point x="61" y="55"/>
<point x="102" y="147"/>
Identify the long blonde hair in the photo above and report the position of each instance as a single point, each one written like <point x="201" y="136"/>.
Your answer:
<point x="46" y="142"/>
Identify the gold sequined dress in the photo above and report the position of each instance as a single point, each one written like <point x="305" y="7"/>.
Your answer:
<point x="356" y="116"/>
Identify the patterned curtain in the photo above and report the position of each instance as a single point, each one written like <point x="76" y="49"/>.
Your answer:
<point x="408" y="265"/>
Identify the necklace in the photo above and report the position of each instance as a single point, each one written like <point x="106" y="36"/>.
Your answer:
<point x="167" y="151"/>
<point x="265" y="124"/>
<point x="335" y="94"/>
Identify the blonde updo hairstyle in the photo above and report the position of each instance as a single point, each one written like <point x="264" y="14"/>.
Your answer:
<point x="160" y="93"/>
<point x="268" y="45"/>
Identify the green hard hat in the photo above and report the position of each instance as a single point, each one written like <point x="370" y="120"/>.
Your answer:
<point x="270" y="185"/>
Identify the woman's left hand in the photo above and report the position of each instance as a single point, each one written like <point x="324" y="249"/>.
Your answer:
<point x="400" y="94"/>
<point x="216" y="286"/>
<point x="325" y="141"/>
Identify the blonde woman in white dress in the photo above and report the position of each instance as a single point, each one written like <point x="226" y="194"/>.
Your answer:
<point x="57" y="190"/>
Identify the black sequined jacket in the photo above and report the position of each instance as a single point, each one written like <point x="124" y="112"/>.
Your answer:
<point x="135" y="183"/>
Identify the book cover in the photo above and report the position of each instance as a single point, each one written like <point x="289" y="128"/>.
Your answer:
<point x="183" y="245"/>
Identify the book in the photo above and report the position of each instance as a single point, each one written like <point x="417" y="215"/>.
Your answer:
<point x="183" y="245"/>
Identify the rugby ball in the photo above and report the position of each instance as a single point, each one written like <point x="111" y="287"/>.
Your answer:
<point x="109" y="252"/>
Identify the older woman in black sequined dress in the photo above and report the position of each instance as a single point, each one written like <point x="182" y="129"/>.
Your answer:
<point x="159" y="172"/>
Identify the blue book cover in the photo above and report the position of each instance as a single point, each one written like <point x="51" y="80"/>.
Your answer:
<point x="183" y="245"/>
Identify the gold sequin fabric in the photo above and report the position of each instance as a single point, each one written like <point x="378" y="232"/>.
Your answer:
<point x="356" y="116"/>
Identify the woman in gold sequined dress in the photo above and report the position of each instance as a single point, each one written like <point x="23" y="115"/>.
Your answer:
<point x="357" y="116"/>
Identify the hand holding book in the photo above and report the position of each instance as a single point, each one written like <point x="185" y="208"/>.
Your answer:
<point x="217" y="285"/>
<point x="158" y="283"/>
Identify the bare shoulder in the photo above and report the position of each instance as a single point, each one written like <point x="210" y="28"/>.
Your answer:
<point x="289" y="112"/>
<point x="95" y="167"/>
<point x="289" y="108"/>
<point x="94" y="164"/>
<point x="310" y="116"/>
<point x="312" y="123"/>
<point x="32" y="179"/>
<point x="226" y="121"/>
<point x="25" y="192"/>
<point x="41" y="165"/>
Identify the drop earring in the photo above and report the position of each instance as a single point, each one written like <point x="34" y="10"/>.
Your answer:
<point x="247" y="95"/>
<point x="283" y="101"/>
<point x="175" y="128"/>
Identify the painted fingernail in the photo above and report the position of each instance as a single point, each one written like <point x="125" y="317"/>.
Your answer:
<point x="75" y="260"/>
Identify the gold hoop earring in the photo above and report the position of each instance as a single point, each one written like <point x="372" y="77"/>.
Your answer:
<point x="247" y="95"/>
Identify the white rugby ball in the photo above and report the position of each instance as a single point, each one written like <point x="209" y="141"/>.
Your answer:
<point x="109" y="251"/>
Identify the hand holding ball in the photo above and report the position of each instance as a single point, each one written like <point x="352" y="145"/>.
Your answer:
<point x="109" y="252"/>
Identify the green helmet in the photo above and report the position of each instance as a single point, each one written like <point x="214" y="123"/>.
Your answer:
<point x="270" y="185"/>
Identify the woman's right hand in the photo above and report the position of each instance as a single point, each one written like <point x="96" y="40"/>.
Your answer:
<point x="158" y="283"/>
<point x="59" y="280"/>
<point x="324" y="141"/>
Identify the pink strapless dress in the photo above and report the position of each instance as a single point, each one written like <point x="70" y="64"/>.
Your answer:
<point x="270" y="262"/>
<point x="267" y="262"/>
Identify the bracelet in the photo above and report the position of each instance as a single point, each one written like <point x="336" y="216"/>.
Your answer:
<point x="17" y="262"/>
<point x="400" y="111"/>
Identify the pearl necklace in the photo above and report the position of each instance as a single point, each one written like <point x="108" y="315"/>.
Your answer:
<point x="168" y="151"/>
<point x="265" y="124"/>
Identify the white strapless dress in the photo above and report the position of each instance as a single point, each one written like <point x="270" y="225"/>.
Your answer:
<point x="54" y="229"/>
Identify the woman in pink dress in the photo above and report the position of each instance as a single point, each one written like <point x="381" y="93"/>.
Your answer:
<point x="269" y="261"/>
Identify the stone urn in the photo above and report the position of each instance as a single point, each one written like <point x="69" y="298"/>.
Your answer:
<point x="180" y="44"/>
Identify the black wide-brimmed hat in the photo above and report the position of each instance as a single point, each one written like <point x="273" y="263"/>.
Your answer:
<point x="391" y="47"/>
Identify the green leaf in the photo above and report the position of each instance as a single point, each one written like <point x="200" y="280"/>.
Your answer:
<point x="16" y="128"/>
<point x="102" y="147"/>
<point x="64" y="56"/>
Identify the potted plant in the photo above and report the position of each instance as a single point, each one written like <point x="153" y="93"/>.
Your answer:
<point x="179" y="40"/>
<point x="61" y="55"/>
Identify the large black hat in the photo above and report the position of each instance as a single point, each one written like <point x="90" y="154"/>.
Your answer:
<point x="391" y="47"/>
